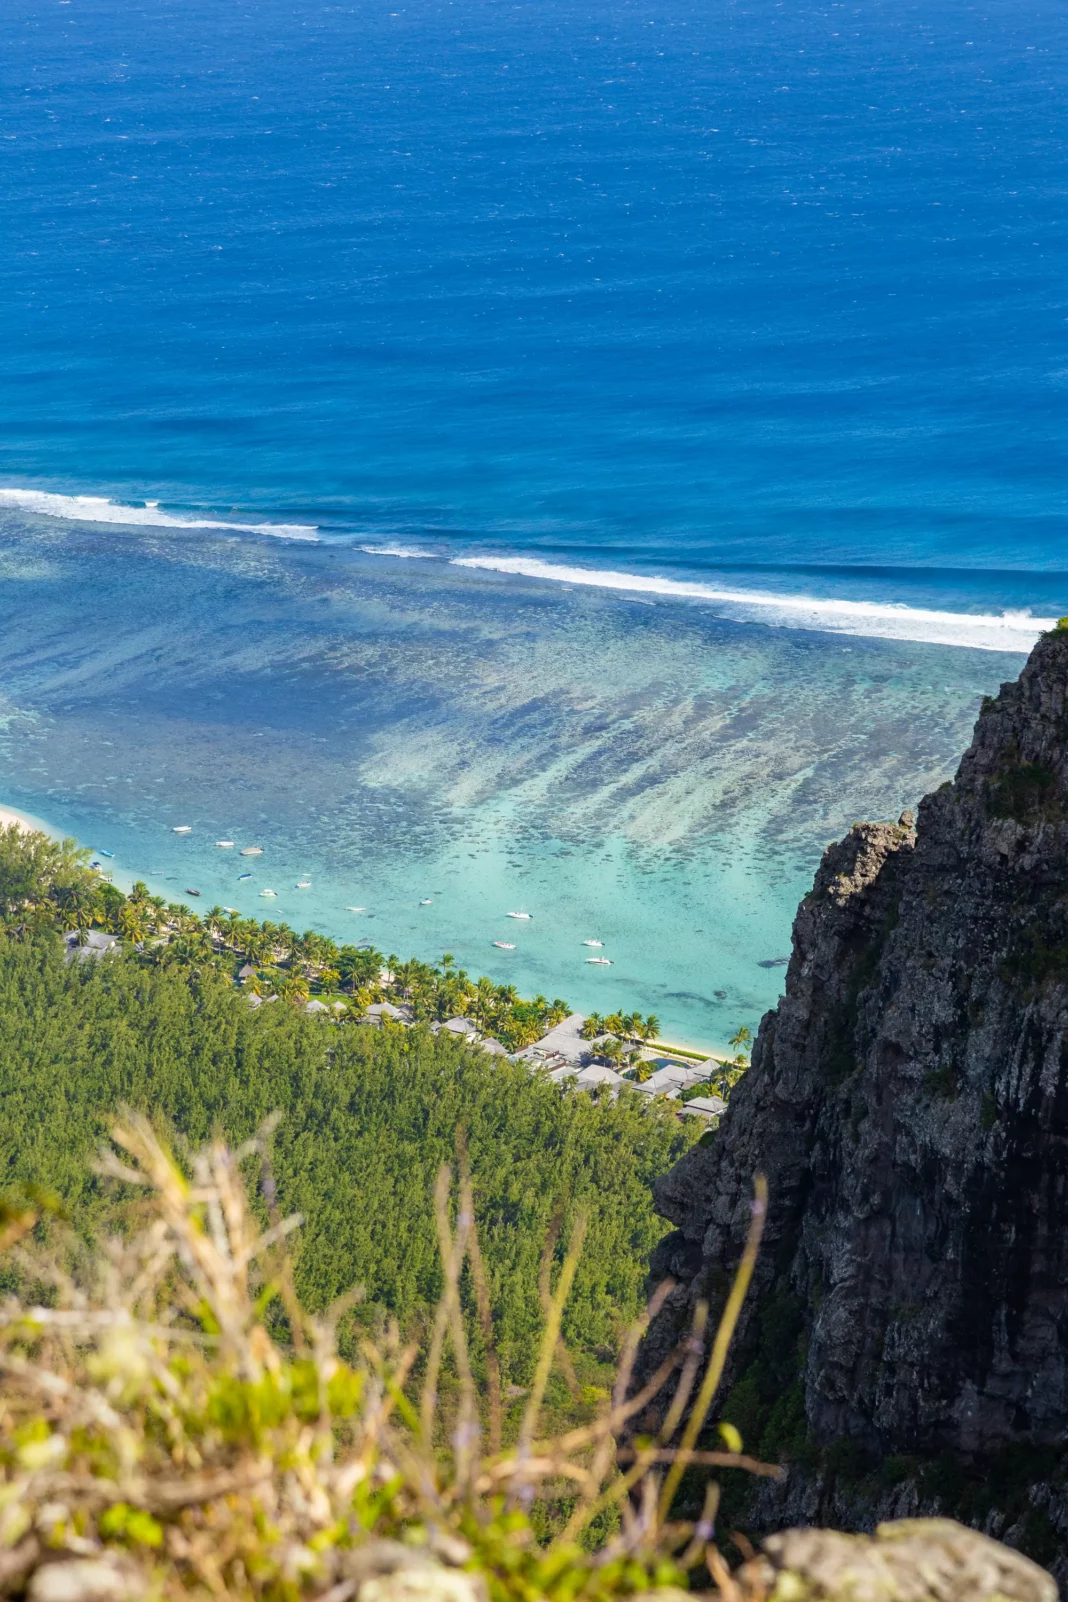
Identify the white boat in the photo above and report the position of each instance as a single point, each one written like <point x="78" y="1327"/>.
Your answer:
<point x="602" y="962"/>
<point x="233" y="910"/>
<point x="593" y="942"/>
<point x="242" y="876"/>
<point x="183" y="828"/>
<point x="525" y="915"/>
<point x="504" y="945"/>
<point x="224" y="845"/>
<point x="426" y="901"/>
<point x="252" y="851"/>
<point x="303" y="884"/>
<point x="268" y="892"/>
<point x="355" y="909"/>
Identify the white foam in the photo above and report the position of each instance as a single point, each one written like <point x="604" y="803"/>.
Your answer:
<point x="395" y="550"/>
<point x="97" y="509"/>
<point x="881" y="620"/>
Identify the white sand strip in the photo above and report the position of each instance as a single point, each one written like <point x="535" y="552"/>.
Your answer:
<point x="24" y="820"/>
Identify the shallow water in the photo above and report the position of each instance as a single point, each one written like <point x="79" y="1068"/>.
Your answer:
<point x="650" y="775"/>
<point x="726" y="340"/>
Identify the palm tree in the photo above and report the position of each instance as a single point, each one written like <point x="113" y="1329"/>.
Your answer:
<point x="132" y="922"/>
<point x="650" y="1029"/>
<point x="741" y="1040"/>
<point x="483" y="1002"/>
<point x="81" y="907"/>
<point x="294" y="989"/>
<point x="157" y="909"/>
<point x="593" y="1026"/>
<point x="361" y="999"/>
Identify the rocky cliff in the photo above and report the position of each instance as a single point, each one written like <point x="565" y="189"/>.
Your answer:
<point x="906" y="1344"/>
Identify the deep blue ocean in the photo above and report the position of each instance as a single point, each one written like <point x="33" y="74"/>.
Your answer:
<point x="571" y="458"/>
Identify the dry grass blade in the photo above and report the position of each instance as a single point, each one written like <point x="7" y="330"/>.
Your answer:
<point x="695" y="1350"/>
<point x="482" y="1302"/>
<point x="720" y="1346"/>
<point x="453" y="1249"/>
<point x="551" y="1334"/>
<point x="155" y="1406"/>
<point x="563" y="1356"/>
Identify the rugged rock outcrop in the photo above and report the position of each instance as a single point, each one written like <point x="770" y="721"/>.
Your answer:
<point x="907" y="1340"/>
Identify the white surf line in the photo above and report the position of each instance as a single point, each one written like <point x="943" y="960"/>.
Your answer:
<point x="398" y="550"/>
<point x="1004" y="631"/>
<point x="98" y="509"/>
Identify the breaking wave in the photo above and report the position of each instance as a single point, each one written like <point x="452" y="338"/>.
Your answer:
<point x="98" y="509"/>
<point x="881" y="620"/>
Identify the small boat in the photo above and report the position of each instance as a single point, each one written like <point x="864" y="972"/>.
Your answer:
<point x="252" y="851"/>
<point x="355" y="909"/>
<point x="504" y="945"/>
<point x="526" y="915"/>
<point x="232" y="910"/>
<point x="224" y="845"/>
<point x="243" y="876"/>
<point x="94" y="864"/>
<point x="102" y="853"/>
<point x="426" y="901"/>
<point x="593" y="942"/>
<point x="602" y="962"/>
<point x="303" y="884"/>
<point x="183" y="828"/>
<point x="191" y="892"/>
<point x="268" y="892"/>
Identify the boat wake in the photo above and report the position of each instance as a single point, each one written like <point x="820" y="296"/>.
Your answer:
<point x="98" y="509"/>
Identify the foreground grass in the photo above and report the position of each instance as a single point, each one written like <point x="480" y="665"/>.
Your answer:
<point x="168" y="1408"/>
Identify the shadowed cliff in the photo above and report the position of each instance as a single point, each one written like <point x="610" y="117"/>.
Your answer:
<point x="907" y="1345"/>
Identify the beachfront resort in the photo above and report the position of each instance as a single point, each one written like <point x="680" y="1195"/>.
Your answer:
<point x="54" y="882"/>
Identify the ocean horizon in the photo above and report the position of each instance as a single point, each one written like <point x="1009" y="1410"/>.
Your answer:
<point x="530" y="458"/>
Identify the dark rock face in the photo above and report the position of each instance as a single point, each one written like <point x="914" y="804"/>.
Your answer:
<point x="908" y="1102"/>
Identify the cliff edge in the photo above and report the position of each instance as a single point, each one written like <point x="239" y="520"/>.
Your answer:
<point x="906" y="1344"/>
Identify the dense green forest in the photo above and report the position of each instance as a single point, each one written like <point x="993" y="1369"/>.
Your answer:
<point x="367" y="1117"/>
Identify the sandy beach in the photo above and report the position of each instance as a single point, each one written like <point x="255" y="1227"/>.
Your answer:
<point x="24" y="820"/>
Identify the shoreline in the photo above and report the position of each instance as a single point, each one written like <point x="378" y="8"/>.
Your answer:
<point x="29" y="822"/>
